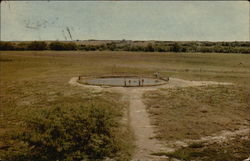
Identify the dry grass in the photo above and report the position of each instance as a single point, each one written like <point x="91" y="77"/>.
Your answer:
<point x="196" y="112"/>
<point x="217" y="67"/>
<point x="38" y="79"/>
<point x="193" y="112"/>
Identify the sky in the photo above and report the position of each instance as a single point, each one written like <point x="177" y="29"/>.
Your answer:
<point x="130" y="20"/>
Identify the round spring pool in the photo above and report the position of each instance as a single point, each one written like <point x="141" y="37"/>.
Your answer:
<point x="123" y="81"/>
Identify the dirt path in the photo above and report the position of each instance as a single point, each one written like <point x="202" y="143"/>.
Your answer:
<point x="146" y="144"/>
<point x="143" y="130"/>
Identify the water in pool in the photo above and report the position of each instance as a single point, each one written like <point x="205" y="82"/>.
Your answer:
<point x="124" y="81"/>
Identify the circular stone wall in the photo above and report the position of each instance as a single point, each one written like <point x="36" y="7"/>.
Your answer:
<point x="122" y="81"/>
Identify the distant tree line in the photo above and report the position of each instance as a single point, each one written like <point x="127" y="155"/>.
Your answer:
<point x="157" y="46"/>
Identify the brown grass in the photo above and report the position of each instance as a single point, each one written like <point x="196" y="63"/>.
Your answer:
<point x="193" y="112"/>
<point x="35" y="79"/>
<point x="217" y="67"/>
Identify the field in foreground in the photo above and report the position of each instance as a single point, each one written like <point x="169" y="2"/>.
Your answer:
<point x="38" y="81"/>
<point x="195" y="112"/>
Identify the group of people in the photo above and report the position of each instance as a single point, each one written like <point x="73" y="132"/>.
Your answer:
<point x="140" y="82"/>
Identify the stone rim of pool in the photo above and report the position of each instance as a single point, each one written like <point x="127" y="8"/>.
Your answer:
<point x="123" y="81"/>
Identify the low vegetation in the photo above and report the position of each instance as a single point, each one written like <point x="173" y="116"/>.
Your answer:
<point x="34" y="84"/>
<point x="236" y="149"/>
<point x="33" y="98"/>
<point x="155" y="46"/>
<point x="194" y="112"/>
<point x="62" y="46"/>
<point x="73" y="128"/>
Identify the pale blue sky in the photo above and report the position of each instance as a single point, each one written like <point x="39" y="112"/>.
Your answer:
<point x="130" y="20"/>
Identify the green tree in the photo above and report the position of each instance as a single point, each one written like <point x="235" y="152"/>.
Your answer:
<point x="6" y="46"/>
<point x="149" y="47"/>
<point x="63" y="46"/>
<point x="176" y="47"/>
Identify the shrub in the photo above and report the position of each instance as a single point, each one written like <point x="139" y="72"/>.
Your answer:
<point x="158" y="46"/>
<point x="68" y="134"/>
<point x="36" y="45"/>
<point x="22" y="46"/>
<point x="56" y="46"/>
<point x="176" y="47"/>
<point x="111" y="46"/>
<point x="149" y="48"/>
<point x="6" y="46"/>
<point x="62" y="46"/>
<point x="70" y="46"/>
<point x="160" y="49"/>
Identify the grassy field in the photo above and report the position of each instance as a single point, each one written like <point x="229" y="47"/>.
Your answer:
<point x="33" y="80"/>
<point x="217" y="67"/>
<point x="29" y="84"/>
<point x="195" y="112"/>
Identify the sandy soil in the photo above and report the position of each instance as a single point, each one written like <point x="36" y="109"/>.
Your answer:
<point x="139" y="120"/>
<point x="215" y="138"/>
<point x="73" y="82"/>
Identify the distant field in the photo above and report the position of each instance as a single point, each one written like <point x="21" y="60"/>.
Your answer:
<point x="198" y="66"/>
<point x="39" y="80"/>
